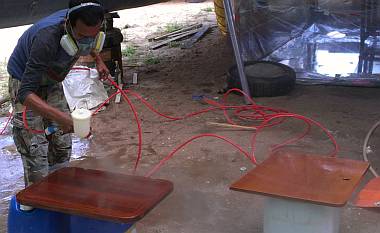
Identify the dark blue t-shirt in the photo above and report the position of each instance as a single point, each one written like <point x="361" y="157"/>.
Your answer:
<point x="39" y="54"/>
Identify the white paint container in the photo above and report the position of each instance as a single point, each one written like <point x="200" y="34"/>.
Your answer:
<point x="82" y="122"/>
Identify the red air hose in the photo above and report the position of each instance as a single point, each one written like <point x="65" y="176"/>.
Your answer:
<point x="6" y="124"/>
<point x="132" y="107"/>
<point x="259" y="113"/>
<point x="171" y="154"/>
<point x="26" y="123"/>
<point x="265" y="116"/>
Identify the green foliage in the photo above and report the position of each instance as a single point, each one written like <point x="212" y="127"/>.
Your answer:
<point x="151" y="60"/>
<point x="129" y="51"/>
<point x="172" y="27"/>
<point x="208" y="9"/>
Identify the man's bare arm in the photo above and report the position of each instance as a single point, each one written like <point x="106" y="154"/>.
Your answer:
<point x="35" y="103"/>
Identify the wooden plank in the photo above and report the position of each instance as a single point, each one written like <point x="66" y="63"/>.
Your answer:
<point x="156" y="46"/>
<point x="189" y="43"/>
<point x="96" y="194"/>
<point x="232" y="126"/>
<point x="318" y="179"/>
<point x="178" y="34"/>
<point x="194" y="26"/>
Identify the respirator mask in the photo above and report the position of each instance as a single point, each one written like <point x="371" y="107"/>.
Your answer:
<point x="85" y="45"/>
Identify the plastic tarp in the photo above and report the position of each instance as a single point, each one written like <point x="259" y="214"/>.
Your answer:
<point x="83" y="89"/>
<point x="325" y="41"/>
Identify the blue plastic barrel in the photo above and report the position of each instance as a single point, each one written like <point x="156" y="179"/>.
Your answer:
<point x="82" y="224"/>
<point x="45" y="221"/>
<point x="36" y="220"/>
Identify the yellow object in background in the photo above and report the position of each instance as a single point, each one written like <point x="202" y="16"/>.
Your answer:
<point x="220" y="16"/>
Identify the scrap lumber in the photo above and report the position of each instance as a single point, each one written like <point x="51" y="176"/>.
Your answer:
<point x="232" y="126"/>
<point x="160" y="44"/>
<point x="185" y="29"/>
<point x="190" y="42"/>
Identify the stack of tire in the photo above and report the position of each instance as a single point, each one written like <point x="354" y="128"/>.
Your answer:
<point x="265" y="78"/>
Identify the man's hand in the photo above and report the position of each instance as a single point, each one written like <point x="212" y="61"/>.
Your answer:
<point x="101" y="67"/>
<point x="68" y="125"/>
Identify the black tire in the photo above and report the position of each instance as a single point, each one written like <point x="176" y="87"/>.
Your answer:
<point x="265" y="78"/>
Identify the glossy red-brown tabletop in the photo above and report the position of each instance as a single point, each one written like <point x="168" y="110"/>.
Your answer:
<point x="317" y="179"/>
<point x="96" y="194"/>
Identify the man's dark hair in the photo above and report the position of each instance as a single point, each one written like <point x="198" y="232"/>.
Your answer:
<point x="89" y="15"/>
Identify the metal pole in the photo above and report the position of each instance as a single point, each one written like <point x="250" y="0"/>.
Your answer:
<point x="235" y="44"/>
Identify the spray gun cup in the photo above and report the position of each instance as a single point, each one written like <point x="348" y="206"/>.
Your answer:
<point x="82" y="122"/>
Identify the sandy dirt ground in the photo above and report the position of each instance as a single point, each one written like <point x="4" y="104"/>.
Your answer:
<point x="202" y="171"/>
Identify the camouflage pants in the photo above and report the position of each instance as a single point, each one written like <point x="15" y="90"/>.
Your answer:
<point x="40" y="154"/>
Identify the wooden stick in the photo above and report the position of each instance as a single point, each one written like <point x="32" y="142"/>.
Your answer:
<point x="179" y="34"/>
<point x="189" y="43"/>
<point x="194" y="26"/>
<point x="232" y="126"/>
<point x="156" y="46"/>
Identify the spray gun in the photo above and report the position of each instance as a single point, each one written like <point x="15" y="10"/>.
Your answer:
<point x="81" y="119"/>
<point x="51" y="129"/>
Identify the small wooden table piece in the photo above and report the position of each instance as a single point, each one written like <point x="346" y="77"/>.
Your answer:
<point x="304" y="191"/>
<point x="96" y="194"/>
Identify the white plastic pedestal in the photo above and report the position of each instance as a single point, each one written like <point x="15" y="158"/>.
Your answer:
<point x="291" y="216"/>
